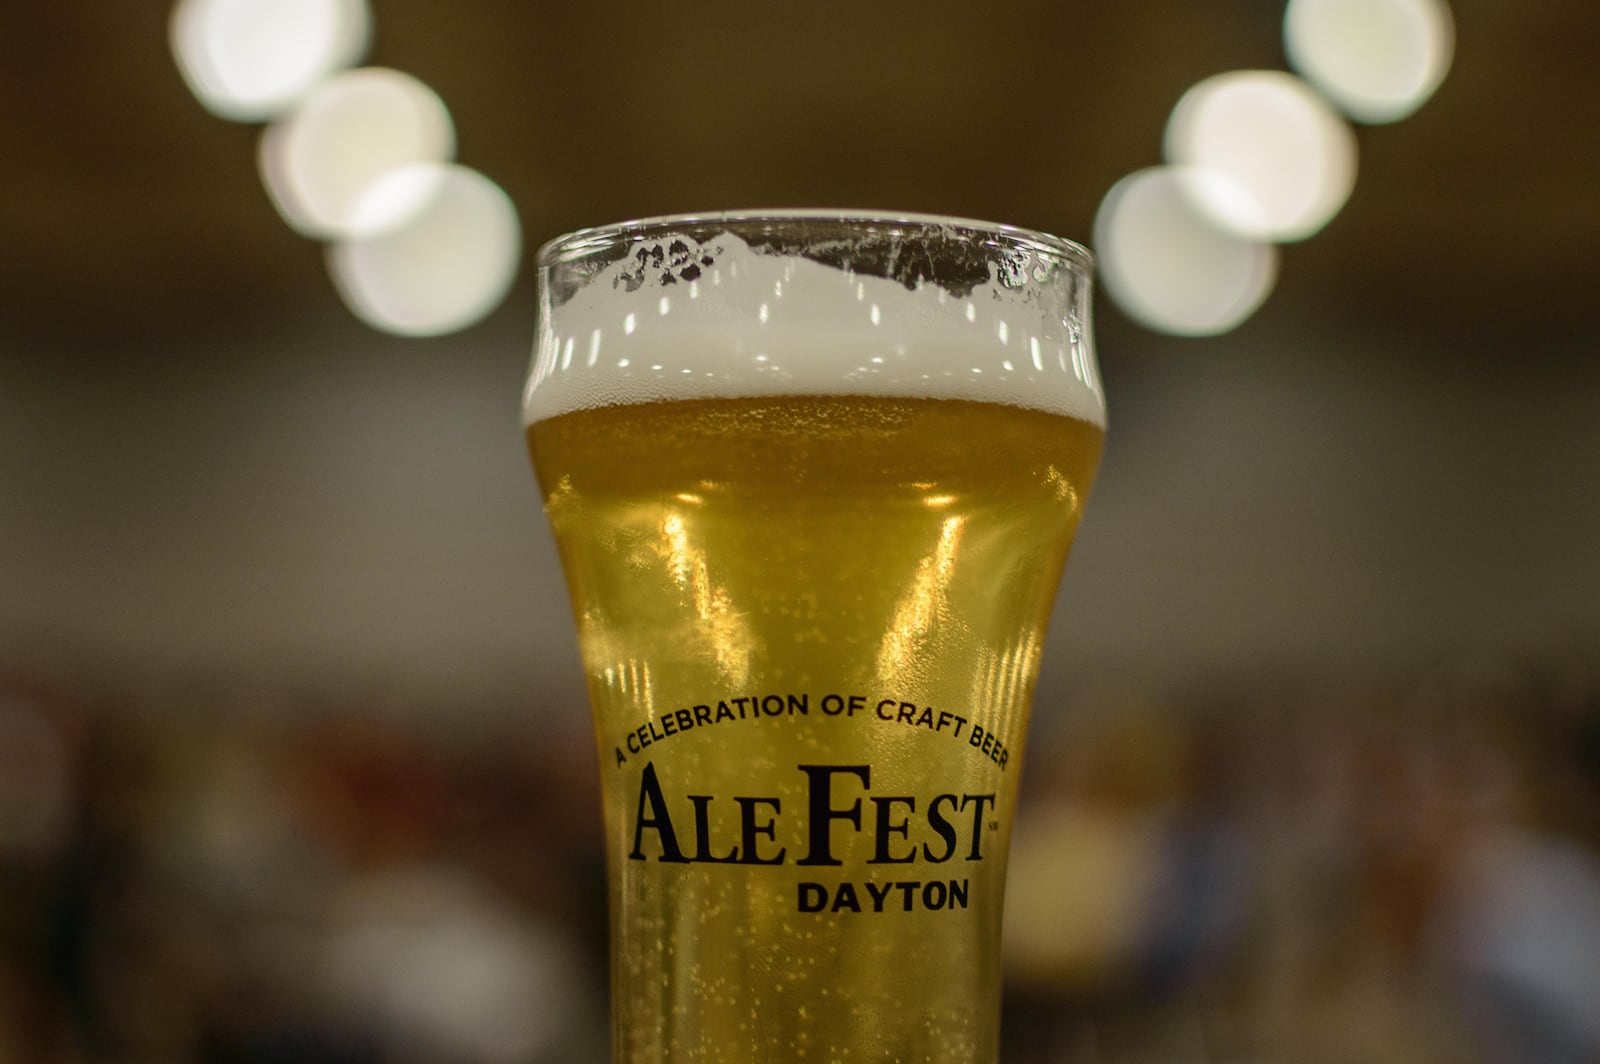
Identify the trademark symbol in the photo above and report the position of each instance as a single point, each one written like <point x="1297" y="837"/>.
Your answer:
<point x="994" y="825"/>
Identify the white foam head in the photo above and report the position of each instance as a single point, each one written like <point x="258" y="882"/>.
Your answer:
<point x="815" y="303"/>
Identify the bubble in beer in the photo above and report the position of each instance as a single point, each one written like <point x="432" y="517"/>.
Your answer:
<point x="1276" y="140"/>
<point x="251" y="60"/>
<point x="322" y="160"/>
<point x="1168" y="265"/>
<point x="440" y="268"/>
<point x="1378" y="60"/>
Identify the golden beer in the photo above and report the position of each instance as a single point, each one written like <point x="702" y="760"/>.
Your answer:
<point x="811" y="624"/>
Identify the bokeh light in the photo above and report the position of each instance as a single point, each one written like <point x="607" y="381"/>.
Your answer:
<point x="433" y="269"/>
<point x="357" y="127"/>
<point x="444" y="969"/>
<point x="251" y="60"/>
<point x="1276" y="140"/>
<point x="1378" y="60"/>
<point x="1168" y="265"/>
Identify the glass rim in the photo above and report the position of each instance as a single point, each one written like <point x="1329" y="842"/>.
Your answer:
<point x="576" y="244"/>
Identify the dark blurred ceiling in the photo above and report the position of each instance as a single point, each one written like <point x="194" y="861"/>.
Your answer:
<point x="129" y="214"/>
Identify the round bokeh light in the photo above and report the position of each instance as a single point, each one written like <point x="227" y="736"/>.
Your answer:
<point x="434" y="269"/>
<point x="1168" y="265"/>
<point x="320" y="161"/>
<point x="1377" y="60"/>
<point x="251" y="60"/>
<point x="1276" y="140"/>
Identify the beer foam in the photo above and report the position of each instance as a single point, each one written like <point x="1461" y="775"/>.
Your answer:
<point x="685" y="318"/>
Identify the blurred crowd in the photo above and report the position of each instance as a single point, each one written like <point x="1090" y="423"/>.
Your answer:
<point x="225" y="876"/>
<point x="1399" y="873"/>
<point x="1269" y="872"/>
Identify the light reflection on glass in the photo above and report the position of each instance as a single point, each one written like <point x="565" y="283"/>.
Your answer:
<point x="250" y="60"/>
<point x="1081" y="353"/>
<point x="1378" y="60"/>
<point x="924" y="606"/>
<point x="1062" y="487"/>
<point x="1289" y="159"/>
<point x="636" y="680"/>
<point x="1001" y="677"/>
<point x="722" y="628"/>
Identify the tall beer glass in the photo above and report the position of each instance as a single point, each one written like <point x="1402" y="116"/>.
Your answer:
<point x="813" y="477"/>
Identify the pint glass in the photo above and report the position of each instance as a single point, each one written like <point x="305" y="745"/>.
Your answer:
<point x="813" y="476"/>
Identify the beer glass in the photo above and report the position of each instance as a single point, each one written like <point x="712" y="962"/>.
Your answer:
<point x="813" y="477"/>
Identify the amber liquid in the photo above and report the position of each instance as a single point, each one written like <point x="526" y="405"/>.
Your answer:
<point x="811" y="627"/>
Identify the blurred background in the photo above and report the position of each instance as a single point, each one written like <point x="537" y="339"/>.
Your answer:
<point x="294" y="756"/>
